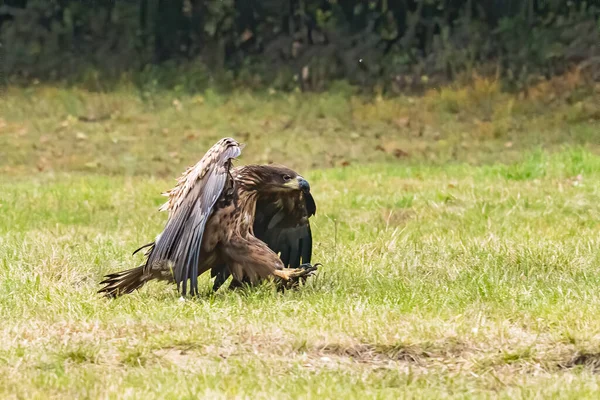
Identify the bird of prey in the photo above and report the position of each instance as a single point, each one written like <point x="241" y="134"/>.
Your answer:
<point x="249" y="222"/>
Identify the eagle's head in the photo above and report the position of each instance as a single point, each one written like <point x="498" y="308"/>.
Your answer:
<point x="271" y="178"/>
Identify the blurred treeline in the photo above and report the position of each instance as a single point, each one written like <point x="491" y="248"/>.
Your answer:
<point x="391" y="44"/>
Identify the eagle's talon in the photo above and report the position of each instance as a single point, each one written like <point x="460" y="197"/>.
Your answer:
<point x="309" y="268"/>
<point x="292" y="277"/>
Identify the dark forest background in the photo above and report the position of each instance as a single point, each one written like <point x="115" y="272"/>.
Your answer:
<point x="396" y="45"/>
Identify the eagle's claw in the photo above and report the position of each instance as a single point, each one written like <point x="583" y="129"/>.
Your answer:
<point x="309" y="268"/>
<point x="291" y="277"/>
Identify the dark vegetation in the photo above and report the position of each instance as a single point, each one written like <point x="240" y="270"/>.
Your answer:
<point x="391" y="45"/>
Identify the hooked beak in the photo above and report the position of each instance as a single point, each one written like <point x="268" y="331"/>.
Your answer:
<point x="298" y="184"/>
<point x="303" y="184"/>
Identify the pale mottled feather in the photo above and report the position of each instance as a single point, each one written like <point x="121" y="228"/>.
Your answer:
<point x="192" y="174"/>
<point x="190" y="205"/>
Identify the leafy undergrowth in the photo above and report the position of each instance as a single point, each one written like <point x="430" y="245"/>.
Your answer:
<point x="440" y="278"/>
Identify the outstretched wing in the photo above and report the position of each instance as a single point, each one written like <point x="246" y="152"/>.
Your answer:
<point x="190" y="204"/>
<point x="281" y="221"/>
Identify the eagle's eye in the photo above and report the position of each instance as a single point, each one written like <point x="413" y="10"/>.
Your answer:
<point x="286" y="178"/>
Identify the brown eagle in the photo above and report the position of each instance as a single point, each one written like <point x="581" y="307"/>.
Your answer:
<point x="231" y="221"/>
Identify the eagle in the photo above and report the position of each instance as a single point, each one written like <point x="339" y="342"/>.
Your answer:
<point x="249" y="222"/>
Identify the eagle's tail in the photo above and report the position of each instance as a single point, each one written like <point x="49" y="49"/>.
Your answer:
<point x="124" y="282"/>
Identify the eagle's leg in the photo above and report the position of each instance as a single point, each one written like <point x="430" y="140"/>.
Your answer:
<point x="221" y="274"/>
<point x="251" y="260"/>
<point x="287" y="277"/>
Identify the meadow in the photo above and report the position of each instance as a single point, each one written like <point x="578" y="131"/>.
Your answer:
<point x="459" y="232"/>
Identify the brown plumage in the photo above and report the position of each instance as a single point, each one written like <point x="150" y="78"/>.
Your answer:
<point x="232" y="221"/>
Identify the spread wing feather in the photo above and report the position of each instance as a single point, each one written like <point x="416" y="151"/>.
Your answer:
<point x="190" y="205"/>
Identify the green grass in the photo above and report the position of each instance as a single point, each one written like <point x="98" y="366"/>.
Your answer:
<point x="446" y="273"/>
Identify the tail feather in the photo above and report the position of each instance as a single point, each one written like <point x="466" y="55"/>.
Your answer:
<point x="124" y="282"/>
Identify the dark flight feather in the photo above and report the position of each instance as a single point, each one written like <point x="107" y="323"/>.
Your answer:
<point x="282" y="223"/>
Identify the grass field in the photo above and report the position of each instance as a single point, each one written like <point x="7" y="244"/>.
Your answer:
<point x="459" y="234"/>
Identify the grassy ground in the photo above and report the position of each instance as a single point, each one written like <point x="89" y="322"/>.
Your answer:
<point x="459" y="233"/>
